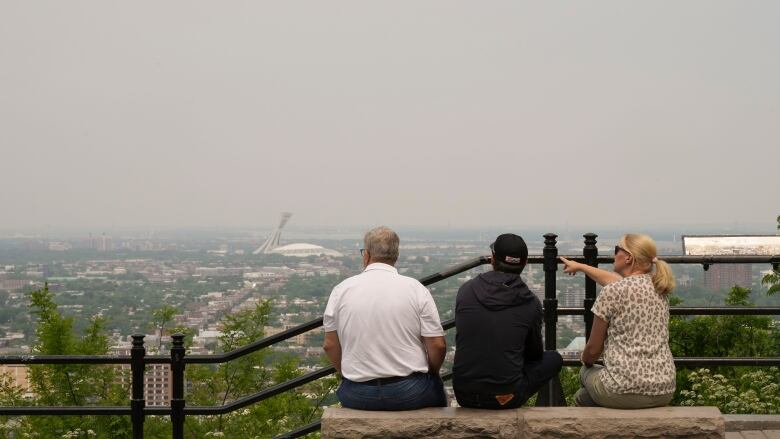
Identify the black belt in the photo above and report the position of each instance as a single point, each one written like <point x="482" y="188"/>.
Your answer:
<point x="387" y="380"/>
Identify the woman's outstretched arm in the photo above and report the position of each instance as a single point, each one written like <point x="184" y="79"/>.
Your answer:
<point x="601" y="277"/>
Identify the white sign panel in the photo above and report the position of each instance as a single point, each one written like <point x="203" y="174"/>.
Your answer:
<point x="752" y="245"/>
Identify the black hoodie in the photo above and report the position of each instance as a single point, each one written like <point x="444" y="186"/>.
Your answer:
<point x="499" y="327"/>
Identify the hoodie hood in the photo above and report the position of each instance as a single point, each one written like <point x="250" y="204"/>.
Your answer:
<point x="497" y="290"/>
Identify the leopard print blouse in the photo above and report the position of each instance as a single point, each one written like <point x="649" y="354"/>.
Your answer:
<point x="637" y="359"/>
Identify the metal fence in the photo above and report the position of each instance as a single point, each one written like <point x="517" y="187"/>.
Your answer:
<point x="178" y="410"/>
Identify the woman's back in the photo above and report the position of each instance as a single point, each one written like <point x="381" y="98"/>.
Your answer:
<point x="637" y="357"/>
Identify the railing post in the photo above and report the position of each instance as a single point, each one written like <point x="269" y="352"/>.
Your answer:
<point x="552" y="393"/>
<point x="550" y="253"/>
<point x="137" y="401"/>
<point x="177" y="381"/>
<point x="591" y="254"/>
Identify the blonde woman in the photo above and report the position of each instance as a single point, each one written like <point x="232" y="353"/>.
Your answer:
<point x="631" y="329"/>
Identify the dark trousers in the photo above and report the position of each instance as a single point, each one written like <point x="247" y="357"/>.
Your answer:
<point x="416" y="391"/>
<point x="536" y="374"/>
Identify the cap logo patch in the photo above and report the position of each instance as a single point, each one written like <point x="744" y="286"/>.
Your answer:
<point x="512" y="260"/>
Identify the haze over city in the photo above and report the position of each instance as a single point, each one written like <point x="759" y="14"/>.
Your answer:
<point x="435" y="114"/>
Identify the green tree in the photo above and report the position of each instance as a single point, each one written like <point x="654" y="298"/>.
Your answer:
<point x="250" y="374"/>
<point x="725" y="336"/>
<point x="71" y="384"/>
<point x="161" y="317"/>
<point x="722" y="336"/>
<point x="74" y="384"/>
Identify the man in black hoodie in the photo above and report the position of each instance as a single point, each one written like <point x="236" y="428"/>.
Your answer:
<point x="499" y="358"/>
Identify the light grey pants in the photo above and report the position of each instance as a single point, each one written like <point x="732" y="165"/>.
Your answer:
<point x="593" y="394"/>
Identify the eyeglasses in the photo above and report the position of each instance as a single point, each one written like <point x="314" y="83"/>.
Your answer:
<point x="619" y="248"/>
<point x="362" y="252"/>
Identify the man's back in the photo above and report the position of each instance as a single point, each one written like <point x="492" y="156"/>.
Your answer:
<point x="498" y="322"/>
<point x="380" y="317"/>
<point x="383" y="334"/>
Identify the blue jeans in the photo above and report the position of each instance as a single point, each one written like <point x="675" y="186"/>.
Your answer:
<point x="416" y="391"/>
<point x="536" y="374"/>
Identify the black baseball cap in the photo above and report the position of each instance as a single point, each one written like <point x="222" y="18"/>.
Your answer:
<point x="510" y="249"/>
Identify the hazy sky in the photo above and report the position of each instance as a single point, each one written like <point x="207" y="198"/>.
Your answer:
<point x="430" y="113"/>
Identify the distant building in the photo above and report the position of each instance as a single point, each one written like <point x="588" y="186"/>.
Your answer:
<point x="157" y="379"/>
<point x="304" y="250"/>
<point x="58" y="246"/>
<point x="271" y="245"/>
<point x="571" y="298"/>
<point x="574" y="349"/>
<point x="299" y="339"/>
<point x="684" y="281"/>
<point x="103" y="243"/>
<point x="14" y="284"/>
<point x="721" y="276"/>
<point x="269" y="273"/>
<point x="273" y="239"/>
<point x="19" y="376"/>
<point x="219" y="271"/>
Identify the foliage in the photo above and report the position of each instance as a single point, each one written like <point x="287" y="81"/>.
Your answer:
<point x="570" y="383"/>
<point x="71" y="384"/>
<point x="161" y="317"/>
<point x="724" y="336"/>
<point x="247" y="375"/>
<point x="756" y="392"/>
<point x="84" y="385"/>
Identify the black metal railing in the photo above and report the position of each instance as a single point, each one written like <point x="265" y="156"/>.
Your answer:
<point x="178" y="410"/>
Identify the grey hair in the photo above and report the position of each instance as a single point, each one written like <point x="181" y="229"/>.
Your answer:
<point x="381" y="243"/>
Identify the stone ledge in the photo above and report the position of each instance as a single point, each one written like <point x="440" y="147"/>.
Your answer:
<point x="447" y="422"/>
<point x="541" y="422"/>
<point x="752" y="422"/>
<point x="603" y="423"/>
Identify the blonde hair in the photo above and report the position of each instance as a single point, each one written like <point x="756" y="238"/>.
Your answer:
<point x="642" y="248"/>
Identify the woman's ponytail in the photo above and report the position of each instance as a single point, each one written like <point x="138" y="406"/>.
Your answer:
<point x="663" y="278"/>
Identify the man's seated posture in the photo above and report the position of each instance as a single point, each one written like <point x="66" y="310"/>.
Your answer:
<point x="383" y="334"/>
<point x="499" y="358"/>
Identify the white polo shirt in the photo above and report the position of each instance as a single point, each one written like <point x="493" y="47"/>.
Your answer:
<point x="379" y="316"/>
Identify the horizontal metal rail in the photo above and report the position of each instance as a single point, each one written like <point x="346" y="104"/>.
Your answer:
<point x="262" y="395"/>
<point x="64" y="359"/>
<point x="65" y="411"/>
<point x="707" y="361"/>
<point x="436" y="277"/>
<point x="80" y="359"/>
<point x="697" y="311"/>
<point x="255" y="346"/>
<point x="678" y="259"/>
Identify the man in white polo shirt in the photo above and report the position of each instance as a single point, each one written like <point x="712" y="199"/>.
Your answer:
<point x="383" y="334"/>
